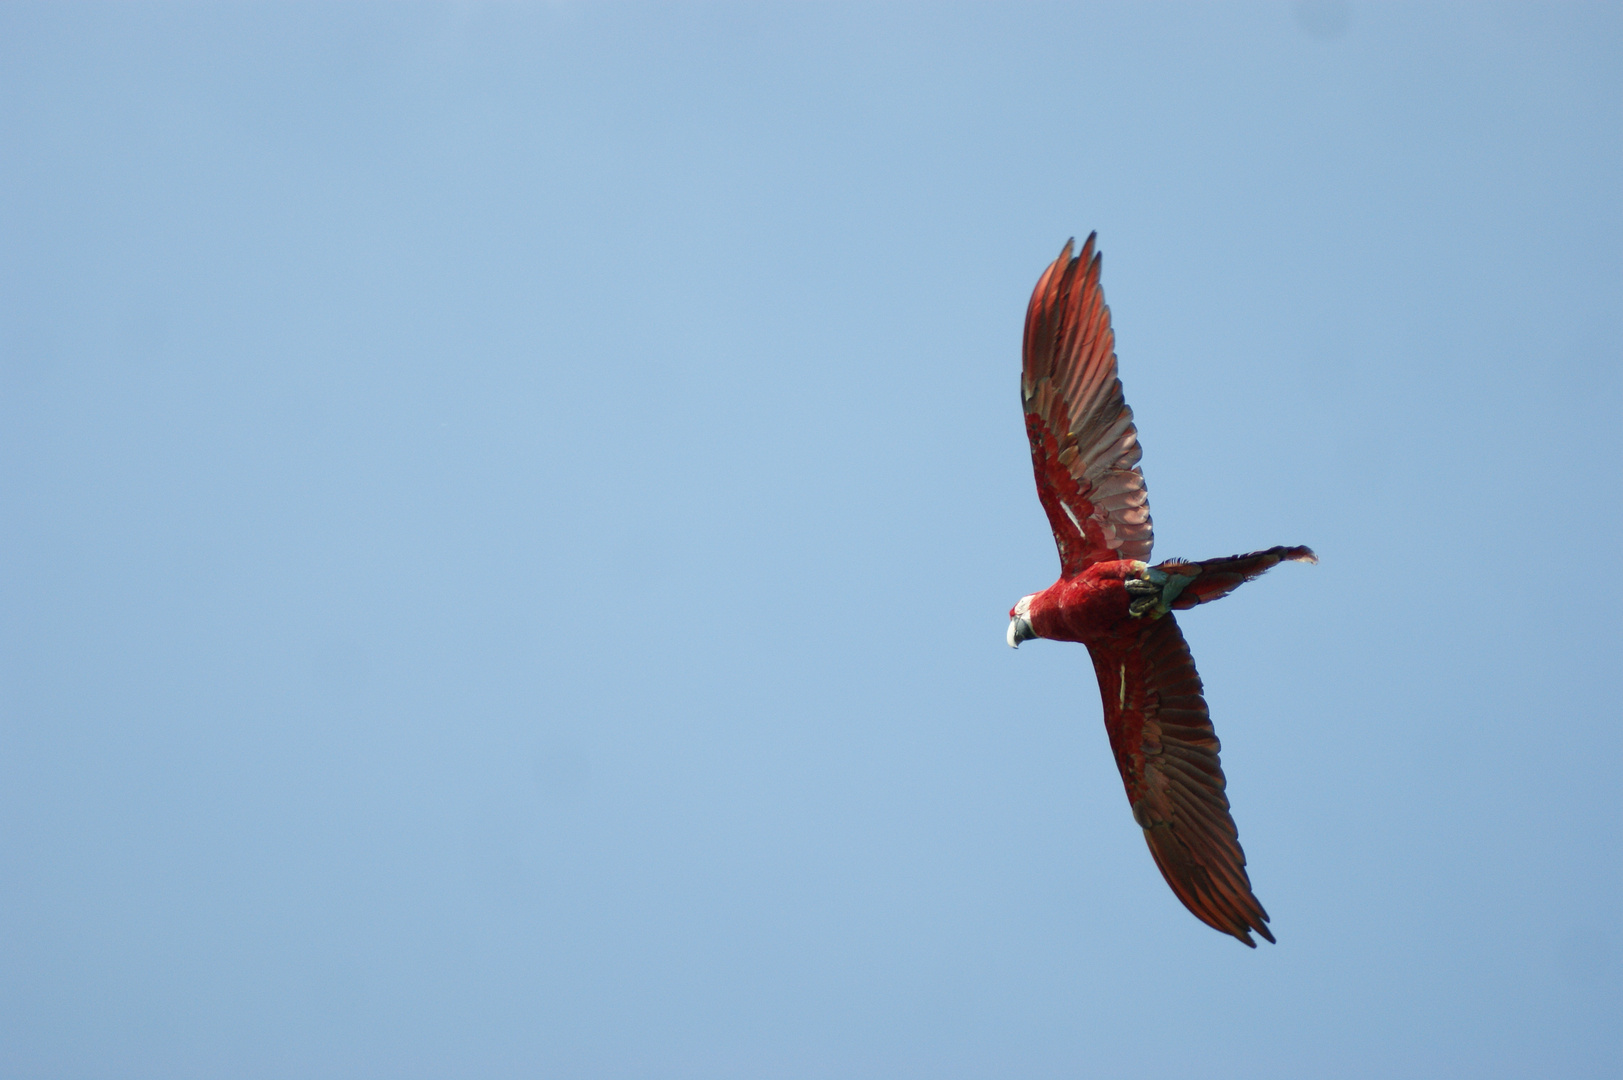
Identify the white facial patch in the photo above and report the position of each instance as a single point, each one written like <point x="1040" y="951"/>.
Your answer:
<point x="1020" y="623"/>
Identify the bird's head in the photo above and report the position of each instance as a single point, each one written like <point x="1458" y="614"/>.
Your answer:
<point x="1020" y="622"/>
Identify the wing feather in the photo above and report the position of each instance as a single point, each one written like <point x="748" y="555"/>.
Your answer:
<point x="1084" y="447"/>
<point x="1162" y="736"/>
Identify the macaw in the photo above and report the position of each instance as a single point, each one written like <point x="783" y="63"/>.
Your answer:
<point x="1085" y="452"/>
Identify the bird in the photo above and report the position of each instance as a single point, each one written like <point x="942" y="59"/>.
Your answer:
<point x="1085" y="453"/>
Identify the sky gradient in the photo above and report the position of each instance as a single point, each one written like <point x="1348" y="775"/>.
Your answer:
<point x="509" y="513"/>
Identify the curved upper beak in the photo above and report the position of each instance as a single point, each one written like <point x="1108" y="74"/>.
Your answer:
<point x="1019" y="630"/>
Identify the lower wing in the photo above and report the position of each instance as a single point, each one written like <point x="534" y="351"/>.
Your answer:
<point x="1161" y="734"/>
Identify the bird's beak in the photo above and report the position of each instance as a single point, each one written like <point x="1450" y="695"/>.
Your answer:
<point x="1019" y="630"/>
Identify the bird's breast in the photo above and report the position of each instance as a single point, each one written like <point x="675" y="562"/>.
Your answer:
<point x="1092" y="606"/>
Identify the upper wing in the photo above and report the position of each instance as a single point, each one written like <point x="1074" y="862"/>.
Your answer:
<point x="1084" y="447"/>
<point x="1166" y="749"/>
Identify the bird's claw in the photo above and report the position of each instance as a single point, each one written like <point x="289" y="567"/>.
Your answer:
<point x="1153" y="592"/>
<point x="1146" y="605"/>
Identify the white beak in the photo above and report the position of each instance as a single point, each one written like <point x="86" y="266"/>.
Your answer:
<point x="1019" y="630"/>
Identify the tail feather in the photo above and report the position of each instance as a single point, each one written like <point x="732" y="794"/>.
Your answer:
<point x="1216" y="578"/>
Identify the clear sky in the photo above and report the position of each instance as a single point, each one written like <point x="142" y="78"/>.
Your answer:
<point x="509" y="514"/>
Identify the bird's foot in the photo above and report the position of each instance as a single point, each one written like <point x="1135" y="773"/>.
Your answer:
<point x="1152" y="591"/>
<point x="1145" y="598"/>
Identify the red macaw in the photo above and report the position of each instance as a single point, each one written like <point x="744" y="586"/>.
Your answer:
<point x="1084" y="449"/>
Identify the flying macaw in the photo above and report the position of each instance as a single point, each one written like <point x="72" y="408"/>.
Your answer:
<point x="1084" y="449"/>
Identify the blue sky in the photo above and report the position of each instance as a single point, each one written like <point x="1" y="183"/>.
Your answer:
<point x="509" y="514"/>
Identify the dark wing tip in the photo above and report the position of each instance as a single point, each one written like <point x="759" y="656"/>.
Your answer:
<point x="1216" y="903"/>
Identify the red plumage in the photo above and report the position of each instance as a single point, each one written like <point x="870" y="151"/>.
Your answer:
<point x="1085" y="453"/>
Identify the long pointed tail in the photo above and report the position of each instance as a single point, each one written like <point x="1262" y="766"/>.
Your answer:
<point x="1216" y="578"/>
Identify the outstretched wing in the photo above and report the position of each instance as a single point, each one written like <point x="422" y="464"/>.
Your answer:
<point x="1084" y="447"/>
<point x="1166" y="750"/>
